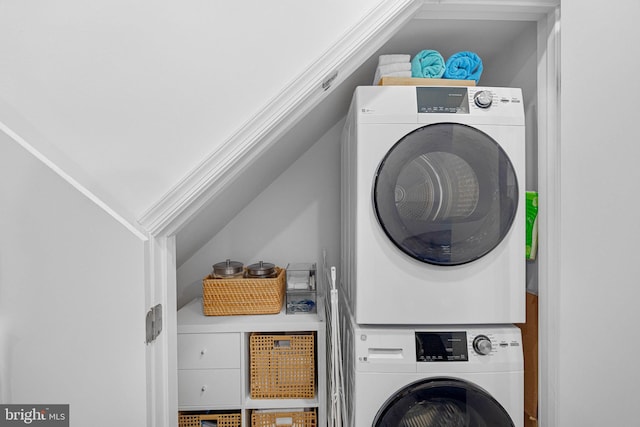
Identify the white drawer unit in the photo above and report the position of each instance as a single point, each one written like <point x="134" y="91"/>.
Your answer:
<point x="209" y="351"/>
<point x="213" y="360"/>
<point x="209" y="388"/>
<point x="209" y="370"/>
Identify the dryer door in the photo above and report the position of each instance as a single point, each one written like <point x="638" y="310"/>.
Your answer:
<point x="442" y="402"/>
<point x="446" y="194"/>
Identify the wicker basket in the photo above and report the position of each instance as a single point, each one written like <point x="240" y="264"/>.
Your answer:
<point x="282" y="366"/>
<point x="284" y="419"/>
<point x="222" y="420"/>
<point x="244" y="295"/>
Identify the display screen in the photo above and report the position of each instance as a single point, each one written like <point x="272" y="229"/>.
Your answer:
<point x="443" y="100"/>
<point x="441" y="347"/>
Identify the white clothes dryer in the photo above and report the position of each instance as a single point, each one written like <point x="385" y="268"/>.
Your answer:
<point x="443" y="376"/>
<point x="433" y="205"/>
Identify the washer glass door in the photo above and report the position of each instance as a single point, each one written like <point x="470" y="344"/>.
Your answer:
<point x="446" y="194"/>
<point x="442" y="402"/>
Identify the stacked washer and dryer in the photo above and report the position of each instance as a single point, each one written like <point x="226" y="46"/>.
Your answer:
<point x="432" y="256"/>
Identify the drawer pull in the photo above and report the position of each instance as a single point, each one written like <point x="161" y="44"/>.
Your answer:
<point x="203" y="351"/>
<point x="204" y="388"/>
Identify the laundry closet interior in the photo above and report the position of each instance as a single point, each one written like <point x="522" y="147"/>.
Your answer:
<point x="295" y="216"/>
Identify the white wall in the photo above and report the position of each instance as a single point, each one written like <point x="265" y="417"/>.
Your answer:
<point x="598" y="346"/>
<point x="296" y="217"/>
<point x="517" y="67"/>
<point x="71" y="299"/>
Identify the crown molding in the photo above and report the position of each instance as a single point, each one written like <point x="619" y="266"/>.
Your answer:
<point x="514" y="10"/>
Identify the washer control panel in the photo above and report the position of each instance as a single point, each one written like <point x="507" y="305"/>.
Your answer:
<point x="462" y="346"/>
<point x="442" y="346"/>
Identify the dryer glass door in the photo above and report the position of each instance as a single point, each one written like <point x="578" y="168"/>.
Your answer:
<point x="442" y="402"/>
<point x="446" y="194"/>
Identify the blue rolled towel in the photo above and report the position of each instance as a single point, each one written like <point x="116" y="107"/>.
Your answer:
<point x="427" y="63"/>
<point x="463" y="66"/>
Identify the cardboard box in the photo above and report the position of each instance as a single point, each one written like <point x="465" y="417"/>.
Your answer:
<point x="413" y="81"/>
<point x="530" y="349"/>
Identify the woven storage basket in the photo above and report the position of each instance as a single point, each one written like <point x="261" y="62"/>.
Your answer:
<point x="284" y="419"/>
<point x="223" y="420"/>
<point x="282" y="366"/>
<point x="243" y="295"/>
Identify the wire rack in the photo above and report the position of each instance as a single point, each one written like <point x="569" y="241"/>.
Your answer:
<point x="335" y="382"/>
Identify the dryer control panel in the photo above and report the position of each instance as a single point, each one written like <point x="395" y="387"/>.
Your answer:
<point x="443" y="100"/>
<point x="467" y="100"/>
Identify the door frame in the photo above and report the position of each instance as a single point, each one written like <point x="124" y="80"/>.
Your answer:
<point x="548" y="216"/>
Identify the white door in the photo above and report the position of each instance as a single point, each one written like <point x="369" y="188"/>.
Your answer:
<point x="72" y="299"/>
<point x="598" y="270"/>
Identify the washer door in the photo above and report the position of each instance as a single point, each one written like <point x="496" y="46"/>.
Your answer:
<point x="446" y="194"/>
<point x="442" y="402"/>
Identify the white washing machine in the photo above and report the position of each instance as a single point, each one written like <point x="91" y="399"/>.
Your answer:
<point x="433" y="205"/>
<point x="451" y="376"/>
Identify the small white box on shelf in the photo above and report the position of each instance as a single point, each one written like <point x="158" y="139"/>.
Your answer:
<point x="301" y="288"/>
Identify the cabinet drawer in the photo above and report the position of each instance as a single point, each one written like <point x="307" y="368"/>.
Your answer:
<point x="209" y="388"/>
<point x="205" y="351"/>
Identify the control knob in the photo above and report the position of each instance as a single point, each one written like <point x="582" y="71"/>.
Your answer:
<point x="482" y="345"/>
<point x="483" y="99"/>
